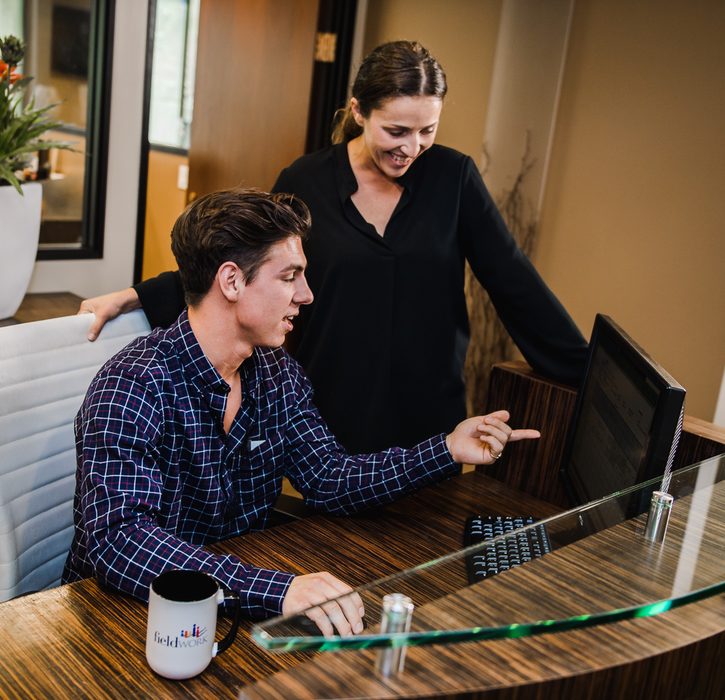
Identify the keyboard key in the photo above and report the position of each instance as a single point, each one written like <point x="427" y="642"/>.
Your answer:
<point x="506" y="554"/>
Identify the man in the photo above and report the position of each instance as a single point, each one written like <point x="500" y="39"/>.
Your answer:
<point x="184" y="435"/>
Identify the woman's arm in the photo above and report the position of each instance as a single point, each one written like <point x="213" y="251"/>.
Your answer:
<point x="535" y="319"/>
<point x="107" y="307"/>
<point x="161" y="298"/>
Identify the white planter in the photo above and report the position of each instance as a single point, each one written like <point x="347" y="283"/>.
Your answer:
<point x="19" y="231"/>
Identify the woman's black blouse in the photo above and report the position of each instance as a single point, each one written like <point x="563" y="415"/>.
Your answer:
<point x="385" y="340"/>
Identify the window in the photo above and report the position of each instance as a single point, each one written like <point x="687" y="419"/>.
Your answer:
<point x="11" y="18"/>
<point x="175" y="29"/>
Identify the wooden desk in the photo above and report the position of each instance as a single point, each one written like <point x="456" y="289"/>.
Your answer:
<point x="78" y="641"/>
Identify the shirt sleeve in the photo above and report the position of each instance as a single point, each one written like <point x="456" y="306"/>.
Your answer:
<point x="283" y="183"/>
<point x="335" y="482"/>
<point x="120" y="501"/>
<point x="534" y="318"/>
<point x="162" y="298"/>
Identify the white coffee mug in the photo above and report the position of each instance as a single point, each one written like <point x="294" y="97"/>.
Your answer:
<point x="181" y="624"/>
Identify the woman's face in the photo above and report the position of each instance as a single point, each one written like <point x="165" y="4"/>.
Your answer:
<point x="399" y="131"/>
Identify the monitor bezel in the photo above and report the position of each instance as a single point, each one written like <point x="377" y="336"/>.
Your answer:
<point x="608" y="335"/>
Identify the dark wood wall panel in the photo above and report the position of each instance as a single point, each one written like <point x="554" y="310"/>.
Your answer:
<point x="533" y="402"/>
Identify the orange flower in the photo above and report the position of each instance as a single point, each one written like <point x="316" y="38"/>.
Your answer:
<point x="14" y="75"/>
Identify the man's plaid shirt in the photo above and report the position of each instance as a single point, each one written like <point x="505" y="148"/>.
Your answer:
<point x="158" y="478"/>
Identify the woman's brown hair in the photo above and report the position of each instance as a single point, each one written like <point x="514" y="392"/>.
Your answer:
<point x="395" y="69"/>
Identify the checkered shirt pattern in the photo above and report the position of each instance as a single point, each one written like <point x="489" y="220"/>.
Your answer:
<point x="158" y="478"/>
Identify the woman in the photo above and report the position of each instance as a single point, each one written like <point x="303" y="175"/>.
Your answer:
<point x="394" y="219"/>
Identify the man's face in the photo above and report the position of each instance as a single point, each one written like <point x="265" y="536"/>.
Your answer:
<point x="266" y="309"/>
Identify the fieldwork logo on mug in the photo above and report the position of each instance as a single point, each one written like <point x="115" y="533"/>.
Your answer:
<point x="181" y="622"/>
<point x="195" y="637"/>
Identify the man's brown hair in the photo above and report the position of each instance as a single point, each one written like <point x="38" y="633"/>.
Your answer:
<point x="238" y="225"/>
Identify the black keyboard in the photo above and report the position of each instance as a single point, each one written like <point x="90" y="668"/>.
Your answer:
<point x="509" y="551"/>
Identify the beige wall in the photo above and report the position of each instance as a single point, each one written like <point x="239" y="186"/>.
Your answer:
<point x="461" y="34"/>
<point x="632" y="222"/>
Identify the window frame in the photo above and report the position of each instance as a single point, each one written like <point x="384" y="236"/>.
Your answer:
<point x="100" y="64"/>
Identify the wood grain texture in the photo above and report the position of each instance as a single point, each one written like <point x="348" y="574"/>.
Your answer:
<point x="533" y="402"/>
<point x="252" y="91"/>
<point x="637" y="658"/>
<point x="527" y="669"/>
<point x="78" y="641"/>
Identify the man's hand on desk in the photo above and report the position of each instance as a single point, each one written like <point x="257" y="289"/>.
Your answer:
<point x="482" y="439"/>
<point x="345" y="614"/>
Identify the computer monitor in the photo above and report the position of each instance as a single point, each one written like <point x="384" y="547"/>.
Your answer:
<point x="626" y="416"/>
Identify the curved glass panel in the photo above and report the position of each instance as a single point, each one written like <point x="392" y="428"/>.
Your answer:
<point x="605" y="565"/>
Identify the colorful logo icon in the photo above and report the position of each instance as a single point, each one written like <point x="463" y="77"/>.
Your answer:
<point x="195" y="631"/>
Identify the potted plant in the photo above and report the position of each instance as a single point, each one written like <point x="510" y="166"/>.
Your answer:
<point x="22" y="127"/>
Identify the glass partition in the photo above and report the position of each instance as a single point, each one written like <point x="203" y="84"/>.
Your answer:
<point x="605" y="565"/>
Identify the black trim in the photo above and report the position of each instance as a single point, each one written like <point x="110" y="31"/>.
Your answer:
<point x="330" y="80"/>
<point x="143" y="174"/>
<point x="97" y="134"/>
<point x="71" y="129"/>
<point x="175" y="150"/>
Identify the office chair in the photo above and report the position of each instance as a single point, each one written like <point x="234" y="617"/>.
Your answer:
<point x="45" y="369"/>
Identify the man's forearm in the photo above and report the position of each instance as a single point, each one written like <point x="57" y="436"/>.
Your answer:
<point x="354" y="483"/>
<point x="129" y="559"/>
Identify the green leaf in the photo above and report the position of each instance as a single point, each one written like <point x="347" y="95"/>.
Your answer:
<point x="9" y="176"/>
<point x="22" y="126"/>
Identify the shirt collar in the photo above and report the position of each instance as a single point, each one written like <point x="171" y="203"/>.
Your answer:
<point x="197" y="367"/>
<point x="347" y="184"/>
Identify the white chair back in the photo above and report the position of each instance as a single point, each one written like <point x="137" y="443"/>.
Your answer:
<point x="45" y="369"/>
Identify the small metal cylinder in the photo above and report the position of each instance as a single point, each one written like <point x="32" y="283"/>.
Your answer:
<point x="397" y="617"/>
<point x="658" y="517"/>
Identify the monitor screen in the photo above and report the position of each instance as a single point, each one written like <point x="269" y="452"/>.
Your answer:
<point x="625" y="419"/>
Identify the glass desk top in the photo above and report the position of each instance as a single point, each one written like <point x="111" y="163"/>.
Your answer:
<point x="606" y="564"/>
